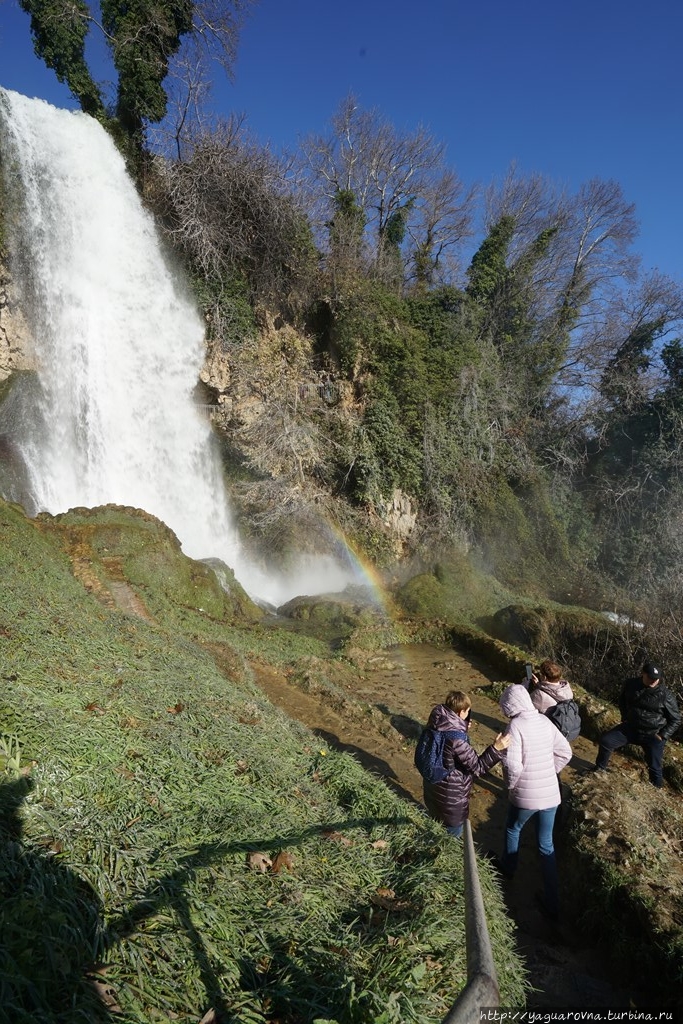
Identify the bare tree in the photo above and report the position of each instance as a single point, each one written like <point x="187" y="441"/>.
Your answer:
<point x="231" y="210"/>
<point x="399" y="180"/>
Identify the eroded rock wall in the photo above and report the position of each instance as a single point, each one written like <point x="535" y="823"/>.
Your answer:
<point x="15" y="339"/>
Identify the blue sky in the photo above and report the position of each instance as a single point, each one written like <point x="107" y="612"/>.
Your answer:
<point x="574" y="90"/>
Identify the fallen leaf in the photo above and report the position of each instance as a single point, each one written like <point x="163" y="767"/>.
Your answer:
<point x="259" y="861"/>
<point x="386" y="899"/>
<point x="106" y="993"/>
<point x="379" y="844"/>
<point x="209" y="1017"/>
<point x="282" y="862"/>
<point x="338" y="837"/>
<point x="95" y="708"/>
<point x="176" y="709"/>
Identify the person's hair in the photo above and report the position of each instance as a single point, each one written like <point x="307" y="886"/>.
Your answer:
<point x="550" y="670"/>
<point x="458" y="701"/>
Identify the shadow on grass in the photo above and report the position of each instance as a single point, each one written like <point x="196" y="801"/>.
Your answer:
<point x="51" y="931"/>
<point x="169" y="891"/>
<point x="375" y="765"/>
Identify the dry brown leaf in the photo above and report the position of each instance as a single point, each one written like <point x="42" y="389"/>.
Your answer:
<point x="386" y="899"/>
<point x="106" y="994"/>
<point x="283" y="862"/>
<point x="259" y="861"/>
<point x="176" y="709"/>
<point x="241" y="767"/>
<point x="379" y="844"/>
<point x="338" y="837"/>
<point x="95" y="708"/>
<point x="209" y="1017"/>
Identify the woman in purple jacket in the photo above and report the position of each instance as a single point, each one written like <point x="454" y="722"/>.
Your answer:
<point x="449" y="801"/>
<point x="537" y="752"/>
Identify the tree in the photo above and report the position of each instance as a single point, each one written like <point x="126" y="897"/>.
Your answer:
<point x="143" y="37"/>
<point x="398" y="180"/>
<point x="346" y="231"/>
<point x="59" y="30"/>
<point x="229" y="209"/>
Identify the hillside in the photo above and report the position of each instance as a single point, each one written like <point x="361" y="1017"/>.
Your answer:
<point x="172" y="843"/>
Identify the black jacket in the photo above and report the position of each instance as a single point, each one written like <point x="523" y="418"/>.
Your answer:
<point x="649" y="710"/>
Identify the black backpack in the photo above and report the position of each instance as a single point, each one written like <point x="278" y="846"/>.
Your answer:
<point x="566" y="716"/>
<point x="429" y="753"/>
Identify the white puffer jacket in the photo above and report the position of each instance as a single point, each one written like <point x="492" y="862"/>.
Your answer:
<point x="537" y="752"/>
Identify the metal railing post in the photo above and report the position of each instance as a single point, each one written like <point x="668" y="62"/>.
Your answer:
<point x="482" y="984"/>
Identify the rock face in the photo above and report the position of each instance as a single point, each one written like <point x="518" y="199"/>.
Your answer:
<point x="15" y="339"/>
<point x="398" y="515"/>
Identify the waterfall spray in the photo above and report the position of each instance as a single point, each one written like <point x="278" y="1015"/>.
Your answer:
<point x="118" y="341"/>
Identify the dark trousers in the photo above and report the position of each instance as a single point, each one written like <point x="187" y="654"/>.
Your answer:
<point x="623" y="734"/>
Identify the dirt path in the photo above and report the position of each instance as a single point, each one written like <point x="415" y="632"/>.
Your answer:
<point x="567" y="970"/>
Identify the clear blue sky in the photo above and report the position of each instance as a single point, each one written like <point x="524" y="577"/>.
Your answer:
<point x="573" y="90"/>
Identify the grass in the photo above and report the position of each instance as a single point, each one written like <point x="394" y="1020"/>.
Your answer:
<point x="140" y="773"/>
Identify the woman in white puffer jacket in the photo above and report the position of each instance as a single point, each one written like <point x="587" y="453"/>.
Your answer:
<point x="537" y="752"/>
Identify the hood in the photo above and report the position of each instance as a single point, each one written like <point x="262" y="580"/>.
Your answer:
<point x="443" y="718"/>
<point x="516" y="700"/>
<point x="561" y="690"/>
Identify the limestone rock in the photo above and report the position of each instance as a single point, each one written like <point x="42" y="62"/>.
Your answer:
<point x="15" y="338"/>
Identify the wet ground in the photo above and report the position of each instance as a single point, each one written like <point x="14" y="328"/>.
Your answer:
<point x="567" y="969"/>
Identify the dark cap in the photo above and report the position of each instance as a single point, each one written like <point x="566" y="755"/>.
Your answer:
<point x="651" y="670"/>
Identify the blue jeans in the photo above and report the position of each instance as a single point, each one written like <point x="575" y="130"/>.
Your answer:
<point x="623" y="734"/>
<point x="455" y="830"/>
<point x="544" y="820"/>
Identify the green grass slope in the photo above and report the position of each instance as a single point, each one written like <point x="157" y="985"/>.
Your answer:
<point x="173" y="848"/>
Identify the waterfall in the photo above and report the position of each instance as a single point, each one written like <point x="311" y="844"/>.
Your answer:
<point x="118" y="347"/>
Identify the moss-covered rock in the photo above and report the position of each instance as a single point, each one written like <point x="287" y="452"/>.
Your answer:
<point x="115" y="544"/>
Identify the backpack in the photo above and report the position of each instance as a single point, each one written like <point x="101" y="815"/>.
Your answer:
<point x="429" y="753"/>
<point x="565" y="715"/>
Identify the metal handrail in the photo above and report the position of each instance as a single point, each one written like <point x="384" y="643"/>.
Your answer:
<point x="482" y="984"/>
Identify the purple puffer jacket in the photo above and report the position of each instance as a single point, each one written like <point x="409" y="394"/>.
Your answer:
<point x="449" y="801"/>
<point x="537" y="752"/>
<point x="546" y="694"/>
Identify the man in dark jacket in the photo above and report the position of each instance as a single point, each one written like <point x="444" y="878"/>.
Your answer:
<point x="449" y="801"/>
<point x="649" y="717"/>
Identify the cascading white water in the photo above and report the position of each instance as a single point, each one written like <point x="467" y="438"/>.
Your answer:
<point x="119" y="346"/>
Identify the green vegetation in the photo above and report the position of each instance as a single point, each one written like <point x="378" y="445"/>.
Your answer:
<point x="625" y="849"/>
<point x="171" y="842"/>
